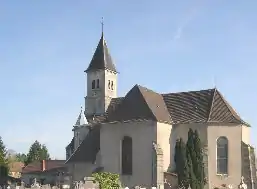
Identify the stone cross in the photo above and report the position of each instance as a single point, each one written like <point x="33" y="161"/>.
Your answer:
<point x="242" y="184"/>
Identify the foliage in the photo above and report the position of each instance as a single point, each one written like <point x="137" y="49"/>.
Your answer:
<point x="191" y="176"/>
<point x="189" y="161"/>
<point x="44" y="152"/>
<point x="37" y="152"/>
<point x="191" y="157"/>
<point x="181" y="163"/>
<point x="21" y="157"/>
<point x="199" y="164"/>
<point x="4" y="169"/>
<point x="107" y="180"/>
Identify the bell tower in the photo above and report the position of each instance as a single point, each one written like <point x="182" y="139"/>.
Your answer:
<point x="101" y="80"/>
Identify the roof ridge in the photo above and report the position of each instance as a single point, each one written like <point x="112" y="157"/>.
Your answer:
<point x="75" y="150"/>
<point x="191" y="91"/>
<point x="141" y="90"/>
<point x="232" y="111"/>
<point x="212" y="102"/>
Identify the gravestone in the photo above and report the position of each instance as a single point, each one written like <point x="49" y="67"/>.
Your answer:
<point x="90" y="183"/>
<point x="242" y="184"/>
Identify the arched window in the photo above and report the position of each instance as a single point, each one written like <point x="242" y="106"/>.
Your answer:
<point x="97" y="83"/>
<point x="93" y="84"/>
<point x="127" y="156"/>
<point x="222" y="155"/>
<point x="112" y="85"/>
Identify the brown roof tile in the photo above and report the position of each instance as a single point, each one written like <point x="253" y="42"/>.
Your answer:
<point x="36" y="166"/>
<point x="185" y="107"/>
<point x="221" y="111"/>
<point x="133" y="106"/>
<point x="190" y="106"/>
<point x="200" y="106"/>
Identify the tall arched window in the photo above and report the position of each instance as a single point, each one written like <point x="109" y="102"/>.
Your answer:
<point x="112" y="85"/>
<point x="222" y="155"/>
<point x="127" y="156"/>
<point x="93" y="84"/>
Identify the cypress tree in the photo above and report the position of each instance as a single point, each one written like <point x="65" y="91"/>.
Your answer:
<point x="191" y="175"/>
<point x="199" y="164"/>
<point x="181" y="163"/>
<point x="191" y="159"/>
<point x="176" y="156"/>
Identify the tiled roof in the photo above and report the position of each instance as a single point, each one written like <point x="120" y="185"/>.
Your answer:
<point x="101" y="58"/>
<point x="140" y="104"/>
<point x="37" y="166"/>
<point x="200" y="106"/>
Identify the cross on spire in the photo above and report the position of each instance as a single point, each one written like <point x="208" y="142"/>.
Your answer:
<point x="102" y="23"/>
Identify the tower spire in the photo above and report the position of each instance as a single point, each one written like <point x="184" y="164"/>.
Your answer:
<point x="101" y="59"/>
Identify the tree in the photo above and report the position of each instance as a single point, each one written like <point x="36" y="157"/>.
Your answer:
<point x="44" y="152"/>
<point x="4" y="169"/>
<point x="107" y="180"/>
<point x="37" y="152"/>
<point x="189" y="161"/>
<point x="191" y="158"/>
<point x="199" y="164"/>
<point x="180" y="159"/>
<point x="21" y="157"/>
<point x="191" y="176"/>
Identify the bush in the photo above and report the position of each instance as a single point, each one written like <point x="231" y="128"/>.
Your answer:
<point x="107" y="180"/>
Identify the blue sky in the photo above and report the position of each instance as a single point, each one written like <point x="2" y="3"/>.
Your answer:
<point x="168" y="46"/>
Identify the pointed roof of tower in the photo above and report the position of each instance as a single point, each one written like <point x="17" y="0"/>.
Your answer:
<point x="101" y="59"/>
<point x="81" y="120"/>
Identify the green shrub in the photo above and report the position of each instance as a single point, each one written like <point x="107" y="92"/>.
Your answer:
<point x="107" y="180"/>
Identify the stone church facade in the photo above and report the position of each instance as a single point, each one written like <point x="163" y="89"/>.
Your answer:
<point x="122" y="134"/>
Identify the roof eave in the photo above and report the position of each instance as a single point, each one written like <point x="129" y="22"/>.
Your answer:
<point x="92" y="69"/>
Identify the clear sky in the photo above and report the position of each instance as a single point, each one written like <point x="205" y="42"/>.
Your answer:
<point x="168" y="46"/>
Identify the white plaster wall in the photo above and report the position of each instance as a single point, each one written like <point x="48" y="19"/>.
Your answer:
<point x="81" y="170"/>
<point x="163" y="139"/>
<point x="143" y="134"/>
<point x="246" y="130"/>
<point x="234" y="135"/>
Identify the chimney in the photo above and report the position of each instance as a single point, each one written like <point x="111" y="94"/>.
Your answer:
<point x="43" y="165"/>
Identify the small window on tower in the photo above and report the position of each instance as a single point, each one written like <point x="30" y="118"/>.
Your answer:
<point x="97" y="83"/>
<point x="112" y="85"/>
<point x="93" y="84"/>
<point x="109" y="84"/>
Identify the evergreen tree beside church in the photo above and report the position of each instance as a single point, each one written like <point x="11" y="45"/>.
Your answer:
<point x="37" y="152"/>
<point x="189" y="161"/>
<point x="3" y="160"/>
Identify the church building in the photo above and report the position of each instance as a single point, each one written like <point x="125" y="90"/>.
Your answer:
<point x="135" y="135"/>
